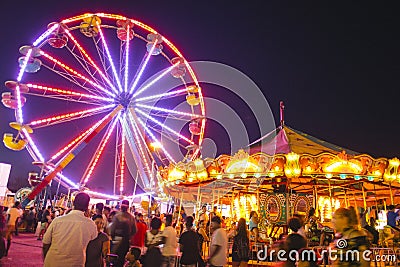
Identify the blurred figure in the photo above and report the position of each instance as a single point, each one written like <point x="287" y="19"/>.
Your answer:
<point x="171" y="244"/>
<point x="253" y="226"/>
<point x="189" y="245"/>
<point x="122" y="228"/>
<point x="133" y="258"/>
<point x="241" y="245"/>
<point x="154" y="239"/>
<point x="137" y="240"/>
<point x="345" y="223"/>
<point x="294" y="241"/>
<point x="99" y="247"/>
<point x="66" y="239"/>
<point x="219" y="244"/>
<point x="45" y="220"/>
<point x="12" y="220"/>
<point x="203" y="237"/>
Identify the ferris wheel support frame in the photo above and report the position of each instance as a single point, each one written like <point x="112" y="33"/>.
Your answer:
<point x="69" y="157"/>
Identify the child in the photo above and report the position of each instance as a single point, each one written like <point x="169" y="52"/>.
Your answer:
<point x="133" y="257"/>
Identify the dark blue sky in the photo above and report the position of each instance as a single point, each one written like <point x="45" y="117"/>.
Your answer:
<point x="335" y="66"/>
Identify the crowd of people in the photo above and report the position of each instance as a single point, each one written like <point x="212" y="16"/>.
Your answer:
<point x="120" y="236"/>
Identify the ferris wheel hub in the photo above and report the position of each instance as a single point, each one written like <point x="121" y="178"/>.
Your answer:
<point x="123" y="99"/>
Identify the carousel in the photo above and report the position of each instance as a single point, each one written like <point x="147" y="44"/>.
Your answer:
<point x="286" y="172"/>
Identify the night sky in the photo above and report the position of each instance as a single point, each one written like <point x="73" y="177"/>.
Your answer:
<point x="335" y="66"/>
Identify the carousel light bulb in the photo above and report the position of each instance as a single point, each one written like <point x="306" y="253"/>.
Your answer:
<point x="219" y="176"/>
<point x="257" y="175"/>
<point x="329" y="175"/>
<point x="243" y="175"/>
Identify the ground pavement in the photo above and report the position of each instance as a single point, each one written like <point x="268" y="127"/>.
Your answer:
<point x="25" y="251"/>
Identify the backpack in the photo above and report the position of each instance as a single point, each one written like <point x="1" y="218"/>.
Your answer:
<point x="242" y="246"/>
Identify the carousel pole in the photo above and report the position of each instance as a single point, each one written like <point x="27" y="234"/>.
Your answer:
<point x="316" y="206"/>
<point x="364" y="198"/>
<point x="345" y="198"/>
<point x="391" y="194"/>
<point x="330" y="193"/>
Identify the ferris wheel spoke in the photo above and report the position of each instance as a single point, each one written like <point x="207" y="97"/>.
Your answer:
<point x="154" y="80"/>
<point x="166" y="135"/>
<point x="74" y="72"/>
<point x="169" y="111"/>
<point x="66" y="93"/>
<point x="109" y="57"/>
<point x="142" y="67"/>
<point x="126" y="58"/>
<point x="61" y="118"/>
<point x="136" y="140"/>
<point x="66" y="98"/>
<point x="122" y="161"/>
<point x="155" y="140"/>
<point x="73" y="79"/>
<point x="164" y="95"/>
<point x="93" y="64"/>
<point x="77" y="139"/>
<point x="97" y="154"/>
<point x="165" y="126"/>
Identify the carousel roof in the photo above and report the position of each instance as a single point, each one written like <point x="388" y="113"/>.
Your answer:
<point x="287" y="139"/>
<point x="292" y="158"/>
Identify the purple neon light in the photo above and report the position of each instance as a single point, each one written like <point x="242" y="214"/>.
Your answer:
<point x="155" y="80"/>
<point x="33" y="145"/>
<point x="161" y="95"/>
<point x="155" y="140"/>
<point x="126" y="59"/>
<point x="142" y="68"/>
<point x="45" y="34"/>
<point x="164" y="126"/>
<point x="109" y="57"/>
<point x="169" y="111"/>
<point x="91" y="61"/>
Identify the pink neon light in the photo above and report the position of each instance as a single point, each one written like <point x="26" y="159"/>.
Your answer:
<point x="67" y="92"/>
<point x="127" y="58"/>
<point x="169" y="111"/>
<point x="161" y="95"/>
<point x="121" y="185"/>
<point x="164" y="126"/>
<point x="71" y="70"/>
<point x="156" y="140"/>
<point x="91" y="61"/>
<point x="69" y="115"/>
<point x="155" y="80"/>
<point x="139" y="75"/>
<point x="76" y="140"/>
<point x="100" y="151"/>
<point x="109" y="57"/>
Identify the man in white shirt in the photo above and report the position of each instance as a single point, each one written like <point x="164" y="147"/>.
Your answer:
<point x="171" y="244"/>
<point x="13" y="215"/>
<point x="66" y="239"/>
<point x="219" y="244"/>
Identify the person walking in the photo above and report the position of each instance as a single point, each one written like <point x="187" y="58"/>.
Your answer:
<point x="219" y="244"/>
<point x="189" y="245"/>
<point x="99" y="247"/>
<point x="122" y="228"/>
<point x="153" y="240"/>
<point x="241" y="245"/>
<point x="171" y="244"/>
<point x="138" y="239"/>
<point x="66" y="238"/>
<point x="13" y="215"/>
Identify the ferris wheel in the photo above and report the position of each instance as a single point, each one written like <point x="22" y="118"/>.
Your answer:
<point x="96" y="69"/>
